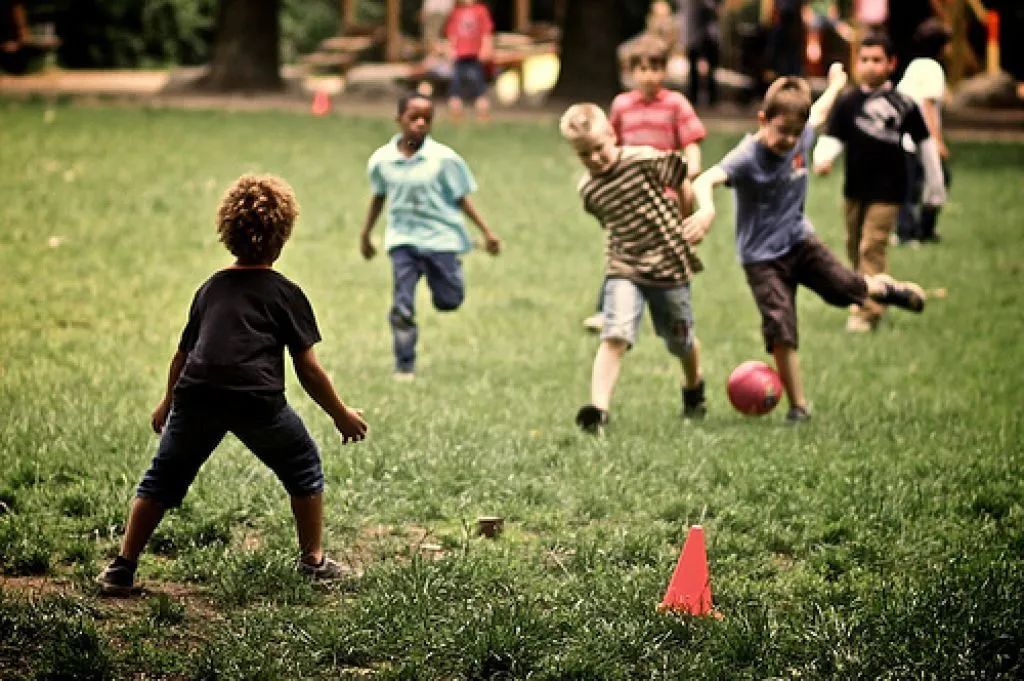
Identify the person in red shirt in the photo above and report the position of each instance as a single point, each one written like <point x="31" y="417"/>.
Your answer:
<point x="470" y="33"/>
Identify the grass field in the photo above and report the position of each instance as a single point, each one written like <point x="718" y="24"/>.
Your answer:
<point x="882" y="540"/>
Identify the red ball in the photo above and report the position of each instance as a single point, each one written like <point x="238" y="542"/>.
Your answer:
<point x="754" y="388"/>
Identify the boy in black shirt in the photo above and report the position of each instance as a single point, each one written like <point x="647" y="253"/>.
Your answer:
<point x="228" y="375"/>
<point x="870" y="121"/>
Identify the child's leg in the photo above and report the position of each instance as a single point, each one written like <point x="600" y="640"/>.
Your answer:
<point x="623" y="309"/>
<point x="143" y="518"/>
<point x="406" y="269"/>
<point x="672" y="316"/>
<point x="309" y="522"/>
<point x="483" y="107"/>
<point x="605" y="373"/>
<point x="445" y="279"/>
<point x="879" y="222"/>
<point x="788" y="364"/>
<point x="908" y="223"/>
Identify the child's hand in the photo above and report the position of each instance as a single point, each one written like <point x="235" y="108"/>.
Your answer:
<point x="366" y="246"/>
<point x="837" y="75"/>
<point x="697" y="225"/>
<point x="823" y="167"/>
<point x="159" y="417"/>
<point x="492" y="244"/>
<point x="351" y="425"/>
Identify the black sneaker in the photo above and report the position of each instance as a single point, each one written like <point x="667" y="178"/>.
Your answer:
<point x="694" y="403"/>
<point x="905" y="294"/>
<point x="591" y="419"/>
<point x="326" y="570"/>
<point x="797" y="415"/>
<point x="118" y="579"/>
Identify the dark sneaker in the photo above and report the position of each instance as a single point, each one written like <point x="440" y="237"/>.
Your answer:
<point x="797" y="415"/>
<point x="591" y="419"/>
<point x="905" y="294"/>
<point x="694" y="403"/>
<point x="327" y="570"/>
<point x="118" y="579"/>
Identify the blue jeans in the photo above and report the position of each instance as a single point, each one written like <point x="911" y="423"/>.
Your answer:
<point x="671" y="313"/>
<point x="193" y="430"/>
<point x="447" y="290"/>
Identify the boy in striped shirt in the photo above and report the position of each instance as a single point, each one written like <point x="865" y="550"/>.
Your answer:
<point x="647" y="259"/>
<point x="654" y="116"/>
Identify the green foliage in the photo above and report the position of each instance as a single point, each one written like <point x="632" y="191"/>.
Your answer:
<point x="882" y="540"/>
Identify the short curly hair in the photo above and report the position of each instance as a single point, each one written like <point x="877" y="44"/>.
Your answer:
<point x="255" y="218"/>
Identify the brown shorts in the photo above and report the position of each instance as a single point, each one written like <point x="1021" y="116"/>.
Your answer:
<point x="774" y="282"/>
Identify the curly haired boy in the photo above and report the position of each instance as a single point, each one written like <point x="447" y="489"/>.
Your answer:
<point x="228" y="376"/>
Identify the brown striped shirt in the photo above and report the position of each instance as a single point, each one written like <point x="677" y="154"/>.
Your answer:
<point x="645" y="238"/>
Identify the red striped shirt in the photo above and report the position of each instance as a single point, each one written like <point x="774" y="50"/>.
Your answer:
<point x="667" y="122"/>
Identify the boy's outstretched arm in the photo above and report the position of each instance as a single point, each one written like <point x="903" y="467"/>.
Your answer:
<point x="821" y="109"/>
<point x="159" y="416"/>
<point x="698" y="224"/>
<point x="365" y="245"/>
<point x="493" y="243"/>
<point x="317" y="384"/>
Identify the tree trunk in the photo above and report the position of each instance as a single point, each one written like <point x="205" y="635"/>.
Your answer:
<point x="590" y="35"/>
<point x="246" y="47"/>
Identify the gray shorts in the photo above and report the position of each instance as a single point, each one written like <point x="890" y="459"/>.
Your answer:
<point x="671" y="313"/>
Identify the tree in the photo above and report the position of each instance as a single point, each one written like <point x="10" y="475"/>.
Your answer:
<point x="592" y="31"/>
<point x="246" y="47"/>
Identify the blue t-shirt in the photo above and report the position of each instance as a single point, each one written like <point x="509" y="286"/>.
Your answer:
<point x="769" y="191"/>
<point x="423" y="194"/>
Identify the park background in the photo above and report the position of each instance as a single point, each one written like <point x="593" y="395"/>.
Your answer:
<point x="883" y="540"/>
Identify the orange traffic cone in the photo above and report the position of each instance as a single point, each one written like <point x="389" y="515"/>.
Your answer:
<point x="321" y="103"/>
<point x="689" y="590"/>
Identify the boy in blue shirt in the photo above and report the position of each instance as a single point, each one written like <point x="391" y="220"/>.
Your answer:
<point x="427" y="185"/>
<point x="774" y="240"/>
<point x="228" y="375"/>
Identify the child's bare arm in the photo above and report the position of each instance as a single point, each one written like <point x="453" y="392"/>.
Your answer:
<point x="823" y="107"/>
<point x="493" y="243"/>
<point x="317" y="384"/>
<point x="691" y="152"/>
<point x="159" y="417"/>
<point x="366" y="246"/>
<point x="698" y="224"/>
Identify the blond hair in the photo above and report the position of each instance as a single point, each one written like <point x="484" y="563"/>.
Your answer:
<point x="256" y="216"/>
<point x="788" y="95"/>
<point x="583" y="121"/>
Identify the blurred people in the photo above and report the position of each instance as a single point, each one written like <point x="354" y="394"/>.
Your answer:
<point x="662" y="24"/>
<point x="905" y="16"/>
<point x="470" y="33"/>
<point x="786" y="41"/>
<point x="703" y="39"/>
<point x="13" y="35"/>
<point x="924" y="81"/>
<point x="433" y="17"/>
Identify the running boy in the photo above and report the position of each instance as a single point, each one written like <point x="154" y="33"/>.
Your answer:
<point x="775" y="242"/>
<point x="871" y="121"/>
<point x="647" y="259"/>
<point x="655" y="117"/>
<point x="470" y="33"/>
<point x="428" y="187"/>
<point x="228" y="375"/>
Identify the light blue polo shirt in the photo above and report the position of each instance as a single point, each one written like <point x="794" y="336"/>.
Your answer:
<point x="423" y="194"/>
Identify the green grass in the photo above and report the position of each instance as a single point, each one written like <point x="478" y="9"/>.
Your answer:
<point x="883" y="540"/>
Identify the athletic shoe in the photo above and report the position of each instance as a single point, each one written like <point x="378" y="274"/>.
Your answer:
<point x="403" y="377"/>
<point x="327" y="570"/>
<point x="591" y="419"/>
<point x="118" y="579"/>
<point x="797" y="415"/>
<point x="694" y="403"/>
<point x="594" y="322"/>
<point x="905" y="294"/>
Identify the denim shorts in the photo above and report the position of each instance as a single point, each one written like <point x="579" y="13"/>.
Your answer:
<point x="469" y="82"/>
<point x="278" y="438"/>
<point x="671" y="313"/>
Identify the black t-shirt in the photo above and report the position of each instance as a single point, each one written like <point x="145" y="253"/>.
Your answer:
<point x="238" y="326"/>
<point x="872" y="125"/>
